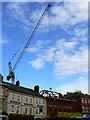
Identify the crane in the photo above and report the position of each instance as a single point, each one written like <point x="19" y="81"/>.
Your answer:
<point x="11" y="74"/>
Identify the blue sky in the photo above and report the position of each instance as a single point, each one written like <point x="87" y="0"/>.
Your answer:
<point x="57" y="57"/>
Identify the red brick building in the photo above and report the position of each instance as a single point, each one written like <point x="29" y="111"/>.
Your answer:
<point x="56" y="103"/>
<point x="83" y="101"/>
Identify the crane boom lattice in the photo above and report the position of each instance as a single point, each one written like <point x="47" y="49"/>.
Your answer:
<point x="11" y="73"/>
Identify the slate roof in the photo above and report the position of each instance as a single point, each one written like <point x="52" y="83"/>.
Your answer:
<point x="20" y="89"/>
<point x="76" y="94"/>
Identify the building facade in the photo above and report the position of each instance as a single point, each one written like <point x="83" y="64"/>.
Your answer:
<point x="83" y="101"/>
<point x="57" y="105"/>
<point x="21" y="100"/>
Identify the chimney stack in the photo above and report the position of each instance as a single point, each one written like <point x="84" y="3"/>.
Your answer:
<point x="36" y="88"/>
<point x="17" y="83"/>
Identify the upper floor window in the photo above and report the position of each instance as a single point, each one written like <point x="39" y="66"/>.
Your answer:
<point x="39" y="101"/>
<point x="1" y="91"/>
<point x="31" y="101"/>
<point x="85" y="100"/>
<point x="43" y="102"/>
<point x="13" y="96"/>
<point x="18" y="97"/>
<point x="36" y="101"/>
<point x="88" y="101"/>
<point x="82" y="100"/>
<point x="26" y="99"/>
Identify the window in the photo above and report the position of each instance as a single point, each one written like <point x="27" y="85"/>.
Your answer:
<point x="88" y="101"/>
<point x="36" y="101"/>
<point x="12" y="108"/>
<point x="1" y="91"/>
<point x="36" y="111"/>
<point x="18" y="97"/>
<point x="39" y="102"/>
<point x="26" y="110"/>
<point x="43" y="102"/>
<point x="83" y="109"/>
<point x="82" y="100"/>
<point x="43" y="110"/>
<point x="13" y="97"/>
<point x="85" y="100"/>
<point x="40" y="110"/>
<point x="26" y="99"/>
<point x="86" y="109"/>
<point x="31" y="102"/>
<point x="30" y="111"/>
<point x="17" y="111"/>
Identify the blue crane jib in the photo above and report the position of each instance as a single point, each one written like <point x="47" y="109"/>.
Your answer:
<point x="11" y="70"/>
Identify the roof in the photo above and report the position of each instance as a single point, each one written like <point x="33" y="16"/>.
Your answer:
<point x="55" y="96"/>
<point x="76" y="94"/>
<point x="20" y="89"/>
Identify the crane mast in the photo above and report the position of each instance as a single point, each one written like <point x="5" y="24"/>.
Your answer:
<point x="11" y="70"/>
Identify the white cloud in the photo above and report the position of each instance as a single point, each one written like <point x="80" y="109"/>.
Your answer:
<point x="19" y="12"/>
<point x="2" y="42"/>
<point x="38" y="46"/>
<point x="61" y="55"/>
<point x="70" y="14"/>
<point x="38" y="63"/>
<point x="49" y="54"/>
<point x="64" y="16"/>
<point x="32" y="50"/>
<point x="62" y="44"/>
<point x="71" y="64"/>
<point x="80" y="83"/>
